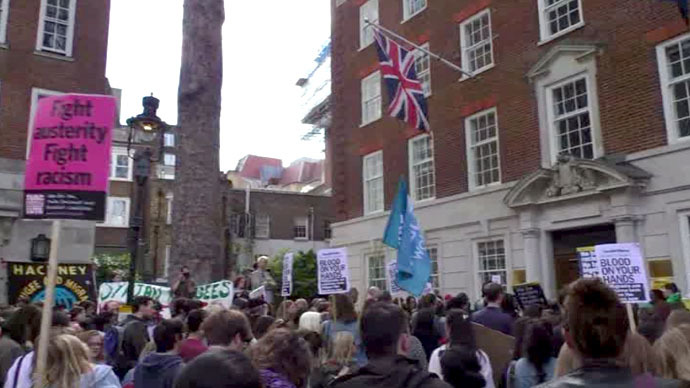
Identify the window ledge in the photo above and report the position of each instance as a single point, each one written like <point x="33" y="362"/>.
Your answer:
<point x="120" y="180"/>
<point x="54" y="56"/>
<point x="4" y="46"/>
<point x="112" y="226"/>
<point x="413" y="15"/>
<point x="476" y="73"/>
<point x="561" y="33"/>
<point x="301" y="239"/>
<point x="485" y="188"/>
<point x="368" y="123"/>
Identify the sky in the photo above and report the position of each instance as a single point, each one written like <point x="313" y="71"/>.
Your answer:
<point x="267" y="46"/>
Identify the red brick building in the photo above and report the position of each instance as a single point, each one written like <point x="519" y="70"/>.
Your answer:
<point x="602" y="82"/>
<point x="46" y="47"/>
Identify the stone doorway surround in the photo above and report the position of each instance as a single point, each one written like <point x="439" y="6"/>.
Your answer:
<point x="574" y="193"/>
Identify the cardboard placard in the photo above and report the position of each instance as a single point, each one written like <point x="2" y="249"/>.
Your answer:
<point x="529" y="294"/>
<point x="498" y="346"/>
<point x="68" y="167"/>
<point x="392" y="273"/>
<point x="286" y="288"/>
<point x="622" y="267"/>
<point x="74" y="283"/>
<point x="333" y="274"/>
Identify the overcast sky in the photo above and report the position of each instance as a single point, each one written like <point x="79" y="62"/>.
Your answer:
<point x="267" y="46"/>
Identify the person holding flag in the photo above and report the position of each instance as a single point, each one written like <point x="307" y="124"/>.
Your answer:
<point x="403" y="233"/>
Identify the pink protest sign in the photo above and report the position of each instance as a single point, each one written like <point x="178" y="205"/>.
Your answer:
<point x="68" y="167"/>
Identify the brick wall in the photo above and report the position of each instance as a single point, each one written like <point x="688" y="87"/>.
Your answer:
<point x="283" y="207"/>
<point x="21" y="69"/>
<point x="630" y="103"/>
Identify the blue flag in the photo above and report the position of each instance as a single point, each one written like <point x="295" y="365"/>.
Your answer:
<point x="393" y="233"/>
<point x="403" y="233"/>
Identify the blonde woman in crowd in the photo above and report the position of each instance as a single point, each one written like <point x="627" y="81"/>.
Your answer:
<point x="340" y="360"/>
<point x="673" y="353"/>
<point x="94" y="341"/>
<point x="68" y="366"/>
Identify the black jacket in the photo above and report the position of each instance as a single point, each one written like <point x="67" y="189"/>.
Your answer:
<point x="605" y="374"/>
<point x="392" y="372"/>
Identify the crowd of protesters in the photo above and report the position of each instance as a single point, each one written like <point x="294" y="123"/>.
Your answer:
<point x="584" y="339"/>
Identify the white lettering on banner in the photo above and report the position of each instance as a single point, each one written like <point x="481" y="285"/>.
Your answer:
<point x="286" y="289"/>
<point x="622" y="267"/>
<point x="333" y="273"/>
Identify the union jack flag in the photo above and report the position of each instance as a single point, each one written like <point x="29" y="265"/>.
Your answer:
<point x="407" y="100"/>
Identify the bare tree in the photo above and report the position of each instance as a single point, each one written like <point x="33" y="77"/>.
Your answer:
<point x="197" y="198"/>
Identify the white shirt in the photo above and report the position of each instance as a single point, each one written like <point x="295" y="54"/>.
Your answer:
<point x="24" y="376"/>
<point x="484" y="363"/>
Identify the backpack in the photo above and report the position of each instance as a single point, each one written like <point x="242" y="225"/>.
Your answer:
<point x="112" y="346"/>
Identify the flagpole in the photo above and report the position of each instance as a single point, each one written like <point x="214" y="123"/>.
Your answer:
<point x="422" y="49"/>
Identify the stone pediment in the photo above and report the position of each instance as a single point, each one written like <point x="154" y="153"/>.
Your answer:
<point x="573" y="178"/>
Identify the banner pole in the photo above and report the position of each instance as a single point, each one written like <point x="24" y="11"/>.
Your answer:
<point x="47" y="313"/>
<point x="631" y="317"/>
<point x="422" y="49"/>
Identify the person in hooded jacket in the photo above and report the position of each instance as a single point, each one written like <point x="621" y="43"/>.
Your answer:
<point x="385" y="336"/>
<point x="159" y="369"/>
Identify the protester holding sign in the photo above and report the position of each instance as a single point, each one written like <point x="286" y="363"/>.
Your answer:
<point x="261" y="277"/>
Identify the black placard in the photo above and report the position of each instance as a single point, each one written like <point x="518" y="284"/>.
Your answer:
<point x="529" y="294"/>
<point x="76" y="205"/>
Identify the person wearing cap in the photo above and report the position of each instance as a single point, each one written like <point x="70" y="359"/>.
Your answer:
<point x="262" y="277"/>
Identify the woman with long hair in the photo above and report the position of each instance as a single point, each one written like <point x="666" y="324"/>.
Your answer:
<point x="673" y="353"/>
<point x="344" y="319"/>
<point x="284" y="309"/>
<point x="466" y="359"/>
<point x="537" y="364"/>
<point x="339" y="363"/>
<point x="283" y="359"/>
<point x="68" y="366"/>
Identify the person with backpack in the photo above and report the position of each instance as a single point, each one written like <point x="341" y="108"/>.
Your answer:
<point x="385" y="335"/>
<point x="125" y="341"/>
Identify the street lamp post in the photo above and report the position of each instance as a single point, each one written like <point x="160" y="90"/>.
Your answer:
<point x="150" y="129"/>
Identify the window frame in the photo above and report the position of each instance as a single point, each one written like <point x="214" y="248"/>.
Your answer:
<point x="412" y="165"/>
<point x="35" y="94"/>
<point x="407" y="15"/>
<point x="107" y="223"/>
<point x="465" y="60"/>
<point x="544" y="32"/>
<point x="435" y="277"/>
<point x="381" y="283"/>
<point x="666" y="84"/>
<point x="168" y="208"/>
<point x="166" y="260"/>
<point x="167" y="155"/>
<point x="365" y="182"/>
<point x="551" y="116"/>
<point x="114" y="153"/>
<point x="167" y="136"/>
<point x="374" y="75"/>
<point x="362" y="25"/>
<point x="506" y="261"/>
<point x="419" y="56"/>
<point x="306" y="228"/>
<point x="684" y="229"/>
<point x="260" y="225"/>
<point x="4" y="17"/>
<point x="469" y="149"/>
<point x="69" y="43"/>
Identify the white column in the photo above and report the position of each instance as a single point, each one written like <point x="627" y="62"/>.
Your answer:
<point x="532" y="254"/>
<point x="625" y="229"/>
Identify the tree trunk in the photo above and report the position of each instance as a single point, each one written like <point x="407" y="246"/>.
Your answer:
<point x="197" y="198"/>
